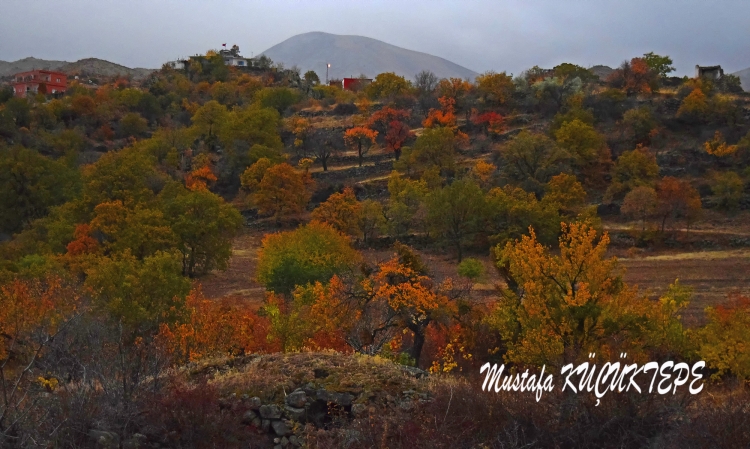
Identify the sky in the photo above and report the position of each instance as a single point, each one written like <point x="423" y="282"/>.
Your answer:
<point x="481" y="35"/>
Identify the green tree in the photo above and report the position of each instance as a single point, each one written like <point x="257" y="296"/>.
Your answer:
<point x="279" y="98"/>
<point x="133" y="125"/>
<point x="455" y="212"/>
<point x="587" y="147"/>
<point x="31" y="185"/>
<point x="659" y="64"/>
<point x="311" y="78"/>
<point x="139" y="294"/>
<point x="532" y="159"/>
<point x="208" y="118"/>
<point x="312" y="253"/>
<point x="204" y="226"/>
<point x="632" y="169"/>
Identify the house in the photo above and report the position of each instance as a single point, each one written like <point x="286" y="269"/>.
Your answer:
<point x="179" y="64"/>
<point x="232" y="57"/>
<point x="39" y="81"/>
<point x="355" y="84"/>
<point x="714" y="72"/>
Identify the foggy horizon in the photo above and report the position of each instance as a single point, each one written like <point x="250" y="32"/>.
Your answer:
<point x="481" y="36"/>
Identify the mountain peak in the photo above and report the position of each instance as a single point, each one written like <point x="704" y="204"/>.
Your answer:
<point x="352" y="55"/>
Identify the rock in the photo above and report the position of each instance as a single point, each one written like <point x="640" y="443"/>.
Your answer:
<point x="105" y="439"/>
<point x="342" y="399"/>
<point x="265" y="425"/>
<point x="284" y="441"/>
<point x="245" y="397"/>
<point x="280" y="428"/>
<point x="294" y="413"/>
<point x="254" y="403"/>
<point x="413" y="371"/>
<point x="278" y="446"/>
<point x="294" y="440"/>
<point x="271" y="411"/>
<point x="257" y="422"/>
<point x="249" y="417"/>
<point x="359" y="410"/>
<point x="297" y="398"/>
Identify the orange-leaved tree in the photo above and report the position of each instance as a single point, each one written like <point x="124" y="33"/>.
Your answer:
<point x="360" y="138"/>
<point x="215" y="327"/>
<point x="32" y="313"/>
<point x="341" y="211"/>
<point x="279" y="190"/>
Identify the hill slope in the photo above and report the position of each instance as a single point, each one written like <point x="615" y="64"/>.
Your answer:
<point x="88" y="66"/>
<point x="744" y="78"/>
<point x="354" y="55"/>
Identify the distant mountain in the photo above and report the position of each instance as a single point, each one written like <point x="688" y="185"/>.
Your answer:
<point x="351" y="56"/>
<point x="744" y="78"/>
<point x="602" y="71"/>
<point x="86" y="67"/>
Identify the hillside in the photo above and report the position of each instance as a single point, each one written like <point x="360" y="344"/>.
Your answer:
<point x="88" y="66"/>
<point x="354" y="55"/>
<point x="744" y="78"/>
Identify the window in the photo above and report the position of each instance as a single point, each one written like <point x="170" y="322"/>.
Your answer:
<point x="54" y="91"/>
<point x="58" y="80"/>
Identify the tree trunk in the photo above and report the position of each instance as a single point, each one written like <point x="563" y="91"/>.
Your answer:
<point x="397" y="153"/>
<point x="360" y="154"/>
<point x="415" y="351"/>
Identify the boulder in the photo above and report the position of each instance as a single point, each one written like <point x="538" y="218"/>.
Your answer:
<point x="271" y="411"/>
<point x="294" y="413"/>
<point x="297" y="398"/>
<point x="280" y="428"/>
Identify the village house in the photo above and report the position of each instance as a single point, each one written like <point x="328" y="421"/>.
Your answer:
<point x="714" y="72"/>
<point x="39" y="81"/>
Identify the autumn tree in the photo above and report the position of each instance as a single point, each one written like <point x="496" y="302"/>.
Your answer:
<point x="204" y="226"/>
<point x="564" y="192"/>
<point x="279" y="189"/>
<point x="388" y="85"/>
<point x="33" y="313"/>
<point x="718" y="146"/>
<point x="494" y="89"/>
<point x="456" y="213"/>
<point x="694" y="107"/>
<point x="676" y="198"/>
<point x="314" y="252"/>
<point x="559" y="308"/>
<point x="635" y="77"/>
<point x="723" y="340"/>
<point x="360" y="138"/>
<point x="417" y="300"/>
<point x="341" y="211"/>
<point x="458" y="89"/>
<point x="398" y="133"/>
<point x="640" y="203"/>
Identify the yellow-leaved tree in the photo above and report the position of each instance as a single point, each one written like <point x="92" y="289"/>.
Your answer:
<point x="557" y="309"/>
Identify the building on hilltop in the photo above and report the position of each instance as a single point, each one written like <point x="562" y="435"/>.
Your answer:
<point x="714" y="72"/>
<point x="39" y="82"/>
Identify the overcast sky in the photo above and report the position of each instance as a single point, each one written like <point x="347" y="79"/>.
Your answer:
<point x="480" y="35"/>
